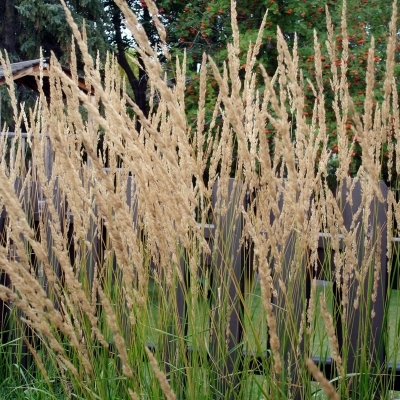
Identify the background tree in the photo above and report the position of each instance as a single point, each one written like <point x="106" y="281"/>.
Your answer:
<point x="28" y="25"/>
<point x="203" y="26"/>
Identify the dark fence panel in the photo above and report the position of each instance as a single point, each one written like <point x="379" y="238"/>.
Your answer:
<point x="229" y="269"/>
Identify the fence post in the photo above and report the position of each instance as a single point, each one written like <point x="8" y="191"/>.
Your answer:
<point x="360" y="319"/>
<point x="173" y="342"/>
<point x="291" y="291"/>
<point x="48" y="157"/>
<point x="27" y="195"/>
<point x="227" y="289"/>
<point x="4" y="281"/>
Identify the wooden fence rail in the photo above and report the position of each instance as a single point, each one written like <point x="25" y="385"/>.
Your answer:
<point x="231" y="271"/>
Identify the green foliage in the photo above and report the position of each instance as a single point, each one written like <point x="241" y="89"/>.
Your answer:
<point x="199" y="26"/>
<point x="45" y="25"/>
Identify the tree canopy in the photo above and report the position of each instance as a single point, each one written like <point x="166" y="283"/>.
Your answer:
<point x="196" y="27"/>
<point x="200" y="26"/>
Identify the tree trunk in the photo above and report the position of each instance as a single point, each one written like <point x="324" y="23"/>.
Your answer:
<point x="8" y="26"/>
<point x="138" y="83"/>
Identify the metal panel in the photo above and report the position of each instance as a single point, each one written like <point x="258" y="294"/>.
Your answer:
<point x="360" y="319"/>
<point x="227" y="289"/>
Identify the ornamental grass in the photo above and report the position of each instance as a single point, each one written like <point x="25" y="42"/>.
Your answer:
<point x="118" y="262"/>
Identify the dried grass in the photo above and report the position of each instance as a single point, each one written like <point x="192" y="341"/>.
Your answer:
<point x="79" y="305"/>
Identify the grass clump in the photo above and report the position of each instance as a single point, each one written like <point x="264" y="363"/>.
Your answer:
<point x="143" y="280"/>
